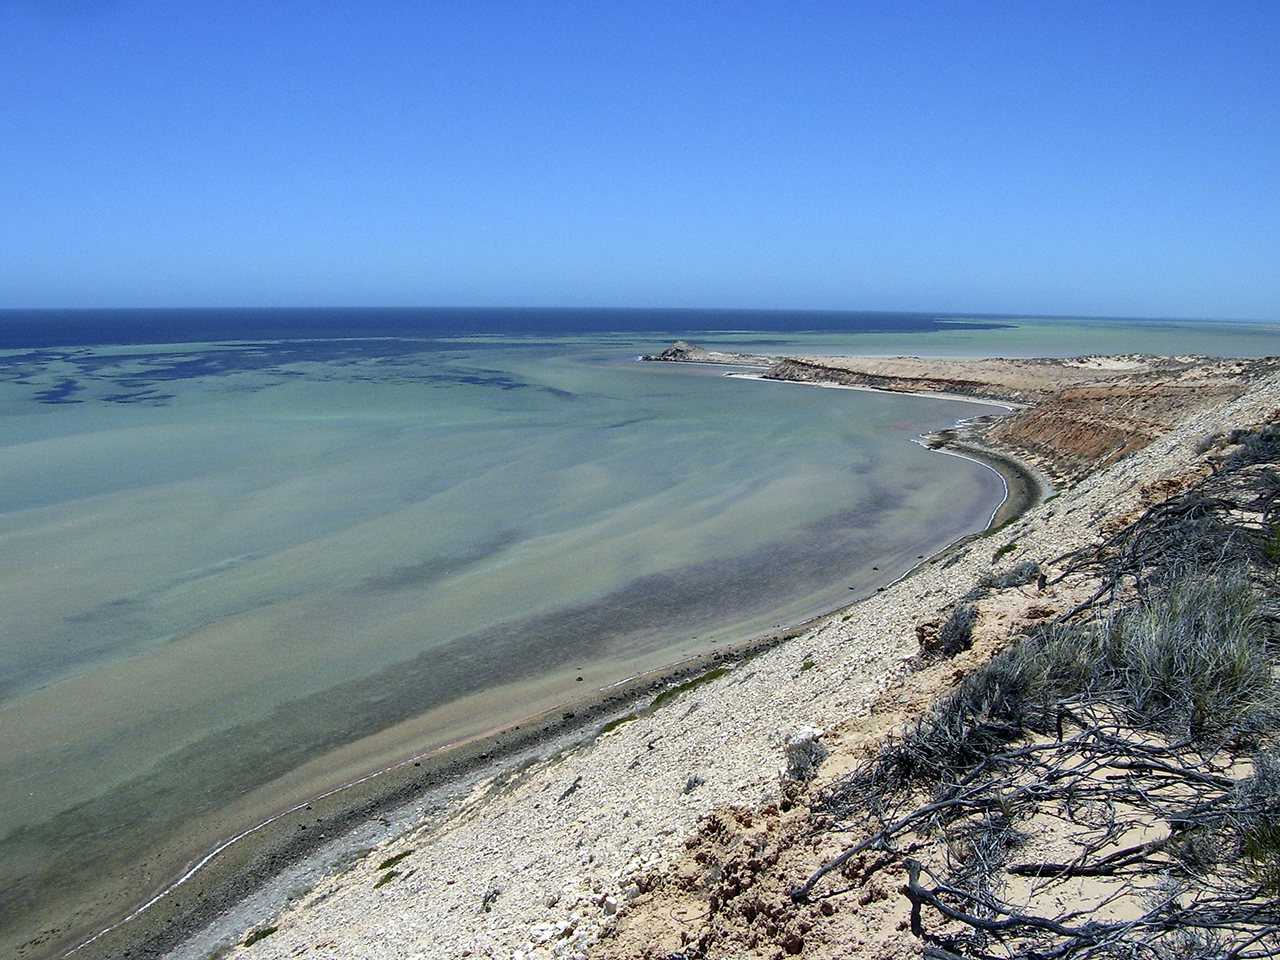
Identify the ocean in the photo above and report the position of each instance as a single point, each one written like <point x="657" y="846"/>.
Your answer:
<point x="247" y="556"/>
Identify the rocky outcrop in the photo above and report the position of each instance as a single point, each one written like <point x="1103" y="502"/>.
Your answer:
<point x="684" y="352"/>
<point x="810" y="371"/>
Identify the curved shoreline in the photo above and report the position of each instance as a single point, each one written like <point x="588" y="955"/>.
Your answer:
<point x="259" y="869"/>
<point x="1023" y="485"/>
<point x="310" y="840"/>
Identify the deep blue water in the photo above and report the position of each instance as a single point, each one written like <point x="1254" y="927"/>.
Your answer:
<point x="27" y="329"/>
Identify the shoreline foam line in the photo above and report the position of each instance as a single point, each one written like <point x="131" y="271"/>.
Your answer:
<point x="1003" y="480"/>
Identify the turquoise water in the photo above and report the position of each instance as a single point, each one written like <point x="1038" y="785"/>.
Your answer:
<point x="1031" y="337"/>
<point x="229" y="577"/>
<point x="236" y="574"/>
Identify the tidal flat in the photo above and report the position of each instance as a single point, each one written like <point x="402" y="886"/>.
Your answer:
<point x="226" y="566"/>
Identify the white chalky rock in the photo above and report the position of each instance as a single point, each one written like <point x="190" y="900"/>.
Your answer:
<point x="805" y="753"/>
<point x="542" y="932"/>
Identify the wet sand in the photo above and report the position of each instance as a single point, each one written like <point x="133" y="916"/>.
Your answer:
<point x="313" y="838"/>
<point x="1025" y="487"/>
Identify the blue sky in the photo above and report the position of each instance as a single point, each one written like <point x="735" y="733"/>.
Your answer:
<point x="1065" y="158"/>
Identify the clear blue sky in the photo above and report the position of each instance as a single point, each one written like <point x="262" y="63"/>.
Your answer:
<point x="1113" y="158"/>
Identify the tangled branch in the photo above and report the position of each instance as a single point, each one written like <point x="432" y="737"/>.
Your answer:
<point x="1137" y="735"/>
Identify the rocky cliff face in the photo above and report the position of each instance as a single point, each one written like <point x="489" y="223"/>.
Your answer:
<point x="1087" y="428"/>
<point x="1080" y="413"/>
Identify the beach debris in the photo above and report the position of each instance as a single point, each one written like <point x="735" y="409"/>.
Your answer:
<point x="570" y="790"/>
<point x="805" y="754"/>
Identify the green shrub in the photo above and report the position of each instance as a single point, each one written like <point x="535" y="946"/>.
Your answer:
<point x="1018" y="575"/>
<point x="1194" y="659"/>
<point x="957" y="633"/>
<point x="259" y="935"/>
<point x="1256" y="446"/>
<point x="392" y="861"/>
<point x="1269" y="545"/>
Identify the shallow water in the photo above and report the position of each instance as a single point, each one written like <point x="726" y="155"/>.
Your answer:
<point x="222" y="563"/>
<point x="211" y="580"/>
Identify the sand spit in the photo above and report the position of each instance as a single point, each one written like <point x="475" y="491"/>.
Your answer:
<point x="573" y="854"/>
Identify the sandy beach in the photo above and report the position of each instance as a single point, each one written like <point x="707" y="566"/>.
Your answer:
<point x="560" y="837"/>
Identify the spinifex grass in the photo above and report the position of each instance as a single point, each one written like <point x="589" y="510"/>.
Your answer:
<point x="1127" y="723"/>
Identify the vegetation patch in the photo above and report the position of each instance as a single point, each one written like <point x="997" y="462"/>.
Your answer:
<point x="992" y="531"/>
<point x="957" y="632"/>
<point x="392" y="861"/>
<point x="1109" y="786"/>
<point x="1004" y="551"/>
<point x="257" y="935"/>
<point x="615" y="723"/>
<point x="666" y="696"/>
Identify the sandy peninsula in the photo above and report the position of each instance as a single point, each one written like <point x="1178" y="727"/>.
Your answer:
<point x="679" y="816"/>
